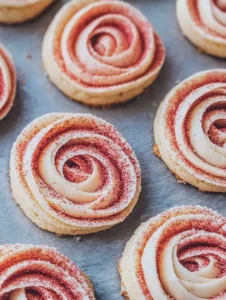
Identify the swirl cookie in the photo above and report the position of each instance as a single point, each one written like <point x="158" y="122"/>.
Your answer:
<point x="18" y="11"/>
<point x="203" y="22"/>
<point x="179" y="254"/>
<point x="74" y="174"/>
<point x="7" y="82"/>
<point x="39" y="272"/>
<point x="101" y="52"/>
<point x="190" y="130"/>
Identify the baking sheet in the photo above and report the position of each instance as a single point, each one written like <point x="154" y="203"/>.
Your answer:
<point x="98" y="254"/>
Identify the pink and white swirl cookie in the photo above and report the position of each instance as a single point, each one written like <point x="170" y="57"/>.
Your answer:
<point x="203" y="22"/>
<point x="29" y="272"/>
<point x="179" y="254"/>
<point x="7" y="82"/>
<point x="74" y="174"/>
<point x="190" y="130"/>
<point x="18" y="11"/>
<point x="101" y="52"/>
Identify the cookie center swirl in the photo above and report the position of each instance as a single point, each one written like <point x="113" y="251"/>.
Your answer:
<point x="213" y="15"/>
<point x="78" y="168"/>
<point x="104" y="44"/>
<point x="214" y="125"/>
<point x="81" y="164"/>
<point x="200" y="129"/>
<point x="198" y="260"/>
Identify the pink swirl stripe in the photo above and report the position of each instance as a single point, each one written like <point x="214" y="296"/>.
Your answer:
<point x="40" y="272"/>
<point x="7" y="82"/>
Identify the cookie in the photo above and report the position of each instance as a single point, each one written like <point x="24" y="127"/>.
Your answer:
<point x="101" y="52"/>
<point x="179" y="254"/>
<point x="74" y="174"/>
<point x="14" y="11"/>
<point x="40" y="272"/>
<point x="203" y="22"/>
<point x="189" y="131"/>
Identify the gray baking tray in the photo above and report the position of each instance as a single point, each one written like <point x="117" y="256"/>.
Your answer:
<point x="98" y="254"/>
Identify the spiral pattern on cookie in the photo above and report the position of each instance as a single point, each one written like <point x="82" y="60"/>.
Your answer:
<point x="190" y="130"/>
<point x="102" y="52"/>
<point x="7" y="82"/>
<point x="204" y="23"/>
<point x="179" y="254"/>
<point x="39" y="272"/>
<point x="74" y="173"/>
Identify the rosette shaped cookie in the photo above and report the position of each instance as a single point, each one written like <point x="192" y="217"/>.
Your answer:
<point x="203" y="22"/>
<point x="179" y="254"/>
<point x="29" y="272"/>
<point x="7" y="82"/>
<point x="101" y="52"/>
<point x="190" y="130"/>
<point x="18" y="11"/>
<point x="74" y="174"/>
